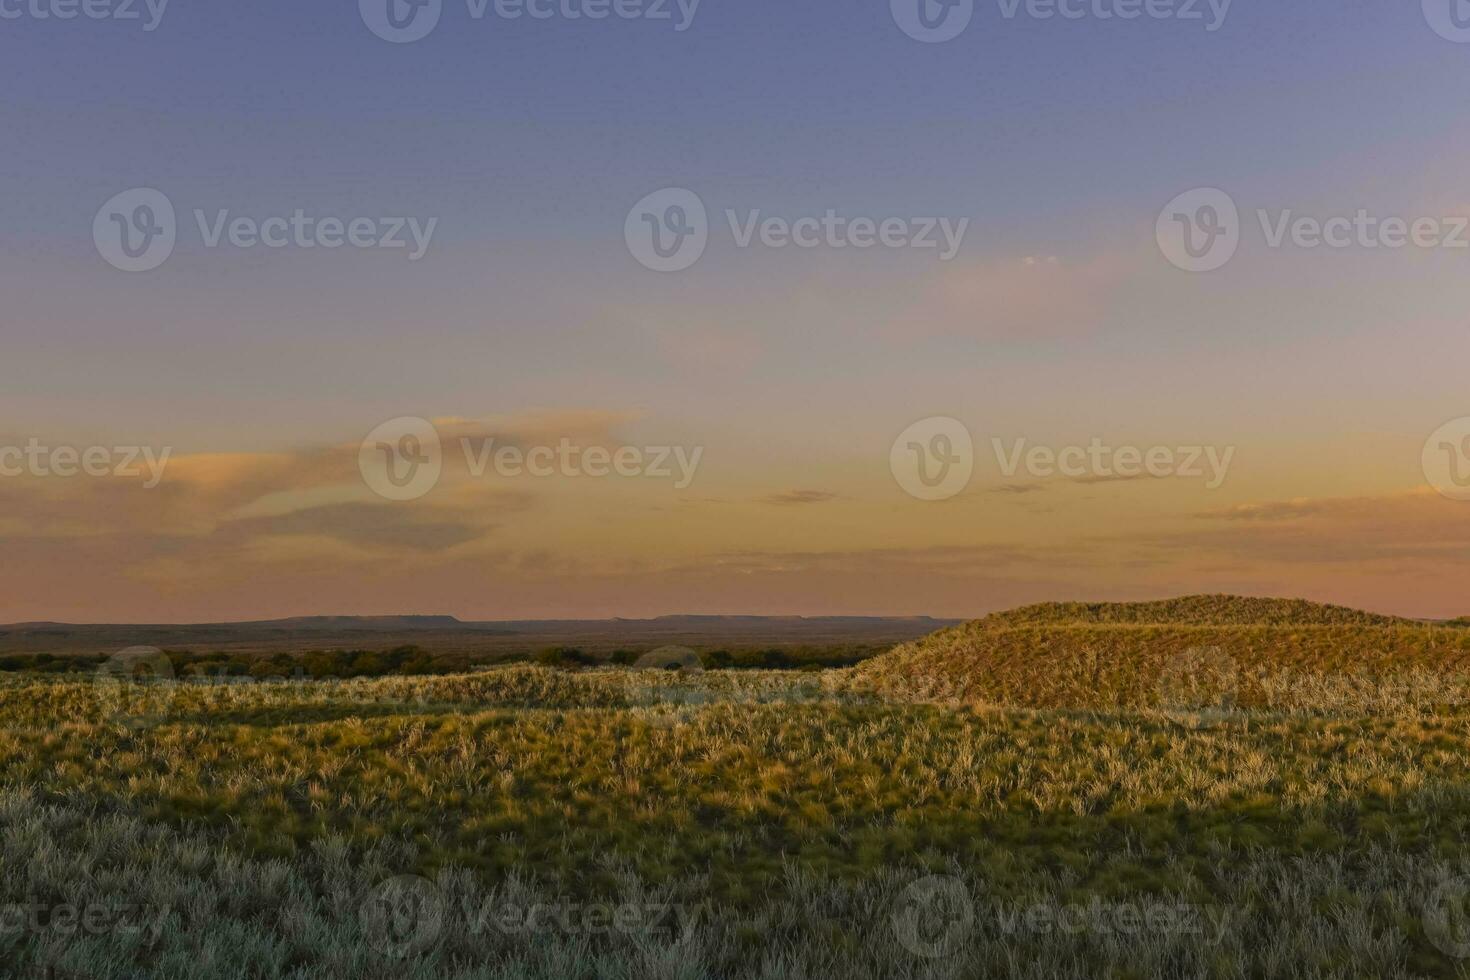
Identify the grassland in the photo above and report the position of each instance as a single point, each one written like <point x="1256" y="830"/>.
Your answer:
<point x="1253" y="791"/>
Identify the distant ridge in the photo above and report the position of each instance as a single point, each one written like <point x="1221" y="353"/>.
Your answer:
<point x="449" y="634"/>
<point x="371" y="623"/>
<point x="388" y="623"/>
<point x="374" y="623"/>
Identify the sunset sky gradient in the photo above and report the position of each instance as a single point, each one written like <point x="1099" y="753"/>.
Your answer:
<point x="528" y="320"/>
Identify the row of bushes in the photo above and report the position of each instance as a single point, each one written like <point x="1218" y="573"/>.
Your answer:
<point x="401" y="661"/>
<point x="411" y="661"/>
<point x="46" y="663"/>
<point x="773" y="658"/>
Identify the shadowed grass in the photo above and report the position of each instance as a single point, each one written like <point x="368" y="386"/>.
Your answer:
<point x="1314" y="806"/>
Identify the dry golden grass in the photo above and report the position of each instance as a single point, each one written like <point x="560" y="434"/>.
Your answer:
<point x="1308" y="808"/>
<point x="1206" y="651"/>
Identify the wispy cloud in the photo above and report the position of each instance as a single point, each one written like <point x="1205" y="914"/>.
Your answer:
<point x="1114" y="478"/>
<point x="1417" y="527"/>
<point x="1021" y="298"/>
<point x="796" y="497"/>
<point x="1278" y="510"/>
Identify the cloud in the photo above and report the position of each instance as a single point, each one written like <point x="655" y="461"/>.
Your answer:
<point x="1113" y="478"/>
<point x="584" y="426"/>
<point x="1418" y="528"/>
<point x="794" y="497"/>
<point x="1023" y="298"/>
<point x="369" y="526"/>
<point x="1277" y="511"/>
<point x="307" y="506"/>
<point x="706" y="346"/>
<point x="938" y="559"/>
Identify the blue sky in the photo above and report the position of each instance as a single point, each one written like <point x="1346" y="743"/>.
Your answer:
<point x="530" y="140"/>
<point x="545" y="128"/>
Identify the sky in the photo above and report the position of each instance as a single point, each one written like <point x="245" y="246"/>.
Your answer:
<point x="845" y="426"/>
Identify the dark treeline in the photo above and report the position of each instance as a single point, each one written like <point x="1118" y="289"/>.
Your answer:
<point x="412" y="661"/>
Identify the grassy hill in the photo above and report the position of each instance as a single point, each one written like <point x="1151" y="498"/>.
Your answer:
<point x="771" y="825"/>
<point x="1272" y="653"/>
<point x="1195" y="610"/>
